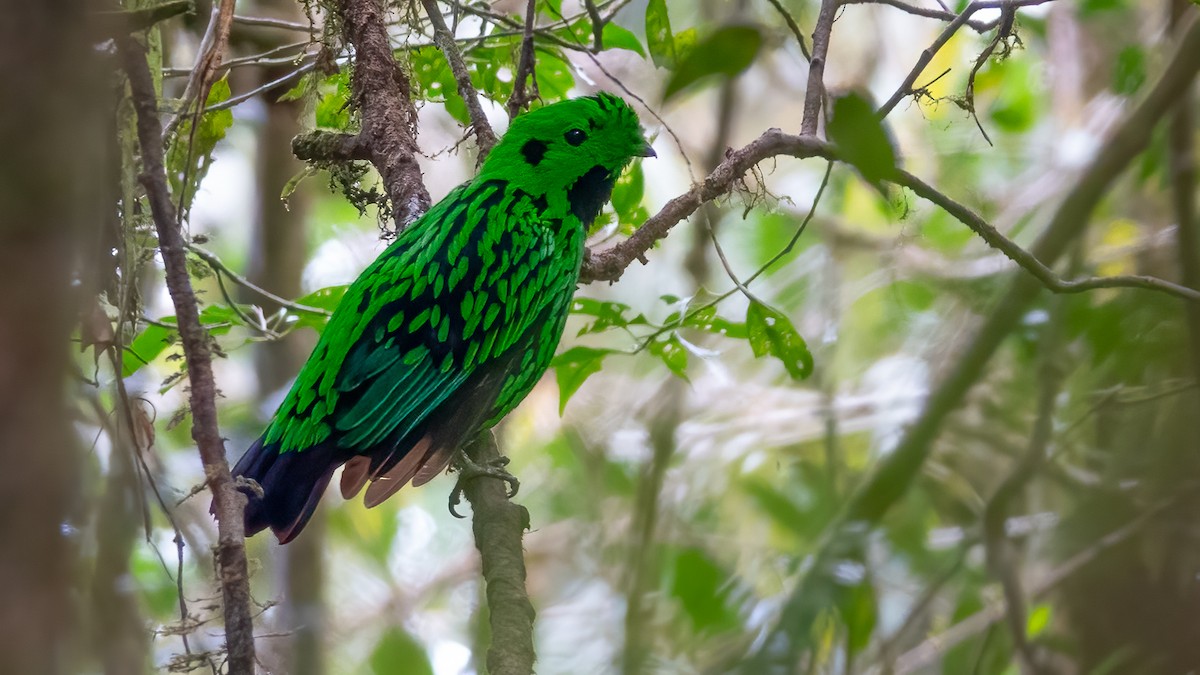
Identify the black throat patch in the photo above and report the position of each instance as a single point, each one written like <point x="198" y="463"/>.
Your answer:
<point x="588" y="195"/>
<point x="533" y="151"/>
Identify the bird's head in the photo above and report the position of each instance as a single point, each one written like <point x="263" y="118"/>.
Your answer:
<point x="575" y="149"/>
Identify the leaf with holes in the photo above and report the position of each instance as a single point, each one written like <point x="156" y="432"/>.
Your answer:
<point x="659" y="37"/>
<point x="672" y="353"/>
<point x="327" y="299"/>
<point x="770" y="332"/>
<point x="607" y="315"/>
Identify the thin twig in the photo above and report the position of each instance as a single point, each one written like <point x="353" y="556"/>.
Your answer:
<point x="598" y="23"/>
<point x="246" y="96"/>
<point x="1028" y="260"/>
<point x="268" y="22"/>
<point x="228" y="502"/>
<point x="444" y="39"/>
<point x="610" y="264"/>
<point x="792" y="26"/>
<point x="221" y="268"/>
<point x="942" y="14"/>
<point x="525" y="66"/>
<point x="268" y="58"/>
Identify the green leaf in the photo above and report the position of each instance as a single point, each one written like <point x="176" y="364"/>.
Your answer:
<point x="707" y="319"/>
<point x="1129" y="72"/>
<point x="333" y="108"/>
<point x="608" y="315"/>
<point x="399" y="652"/>
<point x="659" y="37"/>
<point x="327" y="299"/>
<point x="627" y="199"/>
<point x="770" y="332"/>
<point x="573" y="367"/>
<point x="218" y="319"/>
<point x="146" y="347"/>
<point x="861" y="139"/>
<point x="306" y="85"/>
<point x="672" y="353"/>
<point x="1018" y="97"/>
<point x="1038" y="621"/>
<point x="190" y="154"/>
<point x="616" y="37"/>
<point x="727" y="52"/>
<point x="856" y="604"/>
<point x="1088" y="8"/>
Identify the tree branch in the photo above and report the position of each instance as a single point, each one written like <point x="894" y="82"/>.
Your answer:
<point x="610" y="264"/>
<point x="814" y="94"/>
<point x="229" y="503"/>
<point x="1028" y="260"/>
<point x="519" y="98"/>
<point x="330" y="146"/>
<point x="389" y="119"/>
<point x="598" y="23"/>
<point x="444" y="39"/>
<point x="499" y="526"/>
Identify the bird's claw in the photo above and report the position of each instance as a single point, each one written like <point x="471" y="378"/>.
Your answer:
<point x="470" y="470"/>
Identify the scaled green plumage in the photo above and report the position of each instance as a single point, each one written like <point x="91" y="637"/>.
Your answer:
<point x="451" y="327"/>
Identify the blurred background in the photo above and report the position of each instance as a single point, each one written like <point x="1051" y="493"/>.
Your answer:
<point x="679" y="487"/>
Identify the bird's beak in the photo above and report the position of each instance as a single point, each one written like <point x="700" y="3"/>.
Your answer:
<point x="647" y="150"/>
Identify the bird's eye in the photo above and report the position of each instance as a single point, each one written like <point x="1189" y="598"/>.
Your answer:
<point x="575" y="136"/>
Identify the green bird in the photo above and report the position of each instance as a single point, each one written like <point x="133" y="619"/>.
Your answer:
<point x="451" y="326"/>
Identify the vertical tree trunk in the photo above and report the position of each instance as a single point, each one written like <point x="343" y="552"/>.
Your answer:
<point x="48" y="199"/>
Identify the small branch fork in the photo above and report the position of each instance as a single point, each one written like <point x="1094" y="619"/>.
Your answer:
<point x="229" y="503"/>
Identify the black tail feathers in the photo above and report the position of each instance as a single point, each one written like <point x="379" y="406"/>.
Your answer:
<point x="292" y="484"/>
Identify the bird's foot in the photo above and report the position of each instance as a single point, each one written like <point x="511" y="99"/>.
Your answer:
<point x="248" y="486"/>
<point x="468" y="470"/>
